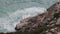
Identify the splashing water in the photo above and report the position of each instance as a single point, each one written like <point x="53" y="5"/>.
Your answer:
<point x="12" y="11"/>
<point x="8" y="23"/>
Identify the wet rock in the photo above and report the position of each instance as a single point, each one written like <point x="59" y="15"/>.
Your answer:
<point x="43" y="21"/>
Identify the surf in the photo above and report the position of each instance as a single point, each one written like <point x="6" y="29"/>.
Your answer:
<point x="9" y="22"/>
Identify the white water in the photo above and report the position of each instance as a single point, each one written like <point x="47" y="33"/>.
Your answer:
<point x="12" y="11"/>
<point x="9" y="22"/>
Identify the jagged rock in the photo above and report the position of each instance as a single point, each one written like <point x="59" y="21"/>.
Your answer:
<point x="46" y="20"/>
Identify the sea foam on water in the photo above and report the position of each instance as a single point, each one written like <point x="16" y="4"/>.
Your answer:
<point x="9" y="22"/>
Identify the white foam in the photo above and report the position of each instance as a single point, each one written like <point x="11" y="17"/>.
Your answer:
<point x="9" y="22"/>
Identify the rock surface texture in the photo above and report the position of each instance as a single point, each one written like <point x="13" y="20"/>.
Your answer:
<point x="48" y="22"/>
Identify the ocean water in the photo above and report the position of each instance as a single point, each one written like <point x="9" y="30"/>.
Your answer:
<point x="12" y="11"/>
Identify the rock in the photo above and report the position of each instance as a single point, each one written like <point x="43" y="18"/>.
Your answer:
<point x="46" y="20"/>
<point x="58" y="21"/>
<point x="30" y="23"/>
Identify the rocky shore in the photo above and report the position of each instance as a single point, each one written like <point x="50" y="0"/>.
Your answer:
<point x="48" y="22"/>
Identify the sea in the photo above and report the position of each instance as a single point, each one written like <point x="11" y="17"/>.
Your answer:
<point x="12" y="11"/>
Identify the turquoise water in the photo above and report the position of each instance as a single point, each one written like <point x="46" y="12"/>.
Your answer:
<point x="12" y="11"/>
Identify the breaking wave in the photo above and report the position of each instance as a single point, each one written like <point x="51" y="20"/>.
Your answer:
<point x="8" y="23"/>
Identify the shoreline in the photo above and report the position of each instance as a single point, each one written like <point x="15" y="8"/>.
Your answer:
<point x="44" y="27"/>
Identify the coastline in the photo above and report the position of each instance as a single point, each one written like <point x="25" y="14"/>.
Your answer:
<point x="44" y="27"/>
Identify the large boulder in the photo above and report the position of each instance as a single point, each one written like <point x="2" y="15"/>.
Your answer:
<point x="48" y="20"/>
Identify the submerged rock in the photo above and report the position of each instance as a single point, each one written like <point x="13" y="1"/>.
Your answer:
<point x="48" y="20"/>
